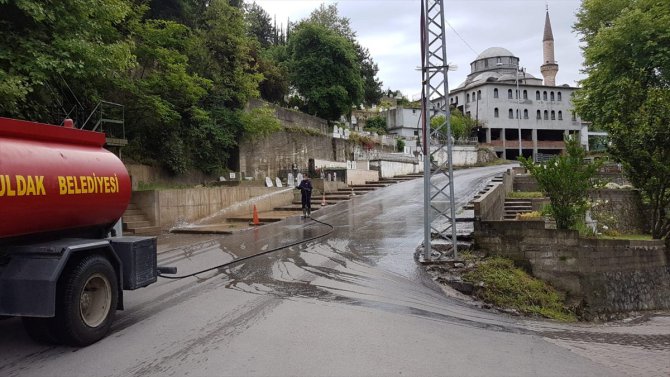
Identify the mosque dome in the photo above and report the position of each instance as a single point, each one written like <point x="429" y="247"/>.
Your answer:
<point x="493" y="52"/>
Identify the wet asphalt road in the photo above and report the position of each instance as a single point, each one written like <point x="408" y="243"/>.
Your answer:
<point x="353" y="302"/>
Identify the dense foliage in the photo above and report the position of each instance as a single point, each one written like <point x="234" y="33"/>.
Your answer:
<point x="325" y="71"/>
<point x="627" y="92"/>
<point x="566" y="179"/>
<point x="461" y="125"/>
<point x="376" y="124"/>
<point x="184" y="70"/>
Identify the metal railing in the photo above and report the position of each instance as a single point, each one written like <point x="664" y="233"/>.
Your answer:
<point x="109" y="118"/>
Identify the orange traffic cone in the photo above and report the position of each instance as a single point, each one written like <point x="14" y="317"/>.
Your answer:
<point x="256" y="221"/>
<point x="323" y="200"/>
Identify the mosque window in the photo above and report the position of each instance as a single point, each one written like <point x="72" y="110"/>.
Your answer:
<point x="544" y="95"/>
<point x="537" y="95"/>
<point x="511" y="114"/>
<point x="517" y="113"/>
<point x="509" y="94"/>
<point x="552" y="96"/>
<point x="574" y="117"/>
<point x="525" y="94"/>
<point x="479" y="94"/>
<point x="496" y="114"/>
<point x="498" y="61"/>
<point x="467" y="97"/>
<point x="559" y="96"/>
<point x="539" y="114"/>
<point x="553" y="115"/>
<point x="495" y="92"/>
<point x="525" y="113"/>
<point x="560" y="115"/>
<point x="546" y="115"/>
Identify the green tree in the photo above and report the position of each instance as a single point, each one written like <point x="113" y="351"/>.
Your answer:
<point x="372" y="86"/>
<point x="376" y="124"/>
<point x="259" y="24"/>
<point x="461" y="125"/>
<point x="223" y="55"/>
<point x="399" y="145"/>
<point x="81" y="47"/>
<point x="185" y="12"/>
<point x="627" y="92"/>
<point x="328" y="17"/>
<point x="324" y="70"/>
<point x="566" y="179"/>
<point x="260" y="122"/>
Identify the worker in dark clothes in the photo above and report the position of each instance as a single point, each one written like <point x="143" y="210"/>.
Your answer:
<point x="305" y="188"/>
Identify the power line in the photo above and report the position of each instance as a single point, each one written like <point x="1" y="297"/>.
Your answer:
<point x="460" y="37"/>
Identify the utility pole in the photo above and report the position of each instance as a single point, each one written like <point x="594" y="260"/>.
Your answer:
<point x="518" y="110"/>
<point x="438" y="177"/>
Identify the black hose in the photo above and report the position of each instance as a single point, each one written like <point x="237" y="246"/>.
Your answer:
<point x="332" y="228"/>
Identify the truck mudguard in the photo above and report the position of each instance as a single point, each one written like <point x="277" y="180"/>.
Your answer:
<point x="28" y="281"/>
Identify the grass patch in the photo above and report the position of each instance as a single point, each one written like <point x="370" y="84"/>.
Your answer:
<point x="525" y="195"/>
<point x="508" y="286"/>
<point x="535" y="215"/>
<point x="634" y="237"/>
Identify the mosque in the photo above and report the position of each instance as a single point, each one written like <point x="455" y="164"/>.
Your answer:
<point x="519" y="113"/>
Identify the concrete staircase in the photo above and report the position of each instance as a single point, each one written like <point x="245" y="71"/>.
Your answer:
<point x="233" y="224"/>
<point x="135" y="222"/>
<point x="516" y="206"/>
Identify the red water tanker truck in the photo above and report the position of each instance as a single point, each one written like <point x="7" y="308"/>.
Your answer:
<point x="61" y="267"/>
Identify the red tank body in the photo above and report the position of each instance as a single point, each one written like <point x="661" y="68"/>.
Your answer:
<point x="56" y="179"/>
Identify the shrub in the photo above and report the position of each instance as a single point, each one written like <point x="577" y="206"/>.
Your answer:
<point x="566" y="179"/>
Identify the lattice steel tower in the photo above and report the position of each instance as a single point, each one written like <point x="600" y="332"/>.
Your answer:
<point x="439" y="206"/>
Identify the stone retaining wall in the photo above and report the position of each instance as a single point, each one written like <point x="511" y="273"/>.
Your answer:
<point x="610" y="204"/>
<point x="168" y="208"/>
<point x="293" y="118"/>
<point x="491" y="204"/>
<point x="390" y="169"/>
<point x="525" y="182"/>
<point x="145" y="174"/>
<point x="610" y="275"/>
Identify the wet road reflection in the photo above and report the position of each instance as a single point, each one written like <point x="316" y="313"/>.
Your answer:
<point x="366" y="261"/>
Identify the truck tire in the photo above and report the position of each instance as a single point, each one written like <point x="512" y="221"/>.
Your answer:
<point x="86" y="301"/>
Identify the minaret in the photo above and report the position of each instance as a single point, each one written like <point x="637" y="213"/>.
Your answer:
<point x="549" y="69"/>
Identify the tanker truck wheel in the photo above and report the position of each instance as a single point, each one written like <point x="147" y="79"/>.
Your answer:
<point x="86" y="301"/>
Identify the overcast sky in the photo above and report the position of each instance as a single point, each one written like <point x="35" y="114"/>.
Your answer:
<point x="390" y="30"/>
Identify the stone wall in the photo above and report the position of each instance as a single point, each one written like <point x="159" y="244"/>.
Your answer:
<point x="144" y="174"/>
<point x="168" y="208"/>
<point x="359" y="177"/>
<point x="464" y="155"/>
<point x="610" y="275"/>
<point x="293" y="118"/>
<point x="525" y="182"/>
<point x="610" y="204"/>
<point x="491" y="204"/>
<point x="272" y="155"/>
<point x="390" y="169"/>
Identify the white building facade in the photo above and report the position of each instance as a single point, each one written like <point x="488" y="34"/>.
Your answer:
<point x="517" y="110"/>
